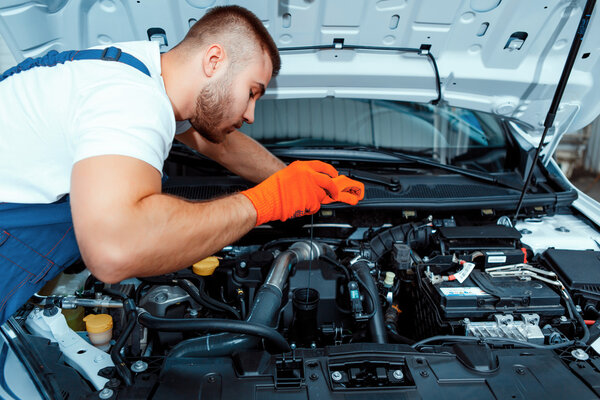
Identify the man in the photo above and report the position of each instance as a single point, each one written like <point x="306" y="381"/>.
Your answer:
<point x="98" y="125"/>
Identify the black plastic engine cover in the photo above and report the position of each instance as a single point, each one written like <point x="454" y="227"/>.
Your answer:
<point x="371" y="371"/>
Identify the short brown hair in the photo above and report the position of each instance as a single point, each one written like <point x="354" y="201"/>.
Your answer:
<point x="233" y="24"/>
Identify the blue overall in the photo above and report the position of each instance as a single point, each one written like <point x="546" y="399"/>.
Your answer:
<point x="37" y="240"/>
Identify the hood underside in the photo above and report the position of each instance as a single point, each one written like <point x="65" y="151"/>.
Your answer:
<point x="499" y="56"/>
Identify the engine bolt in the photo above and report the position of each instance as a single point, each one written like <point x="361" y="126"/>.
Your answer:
<point x="313" y="345"/>
<point x="336" y="376"/>
<point x="105" y="394"/>
<point x="397" y="374"/>
<point x="520" y="371"/>
<point x="243" y="264"/>
<point x="314" y="377"/>
<point x="580" y="354"/>
<point x="139" y="366"/>
<point x="563" y="319"/>
<point x="211" y="379"/>
<point x="424" y="374"/>
<point x="193" y="312"/>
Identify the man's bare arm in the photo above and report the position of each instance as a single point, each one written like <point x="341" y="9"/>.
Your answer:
<point x="125" y="227"/>
<point x="239" y="153"/>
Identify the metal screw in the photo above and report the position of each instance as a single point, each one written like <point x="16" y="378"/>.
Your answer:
<point x="139" y="366"/>
<point x="242" y="264"/>
<point x="520" y="371"/>
<point x="336" y="376"/>
<point x="105" y="394"/>
<point x="397" y="374"/>
<point x="314" y="377"/>
<point x="580" y="354"/>
<point x="193" y="312"/>
<point x="563" y="319"/>
<point x="161" y="298"/>
<point x="211" y="379"/>
<point x="313" y="345"/>
<point x="424" y="374"/>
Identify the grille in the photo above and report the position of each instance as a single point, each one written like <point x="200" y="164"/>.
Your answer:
<point x="437" y="191"/>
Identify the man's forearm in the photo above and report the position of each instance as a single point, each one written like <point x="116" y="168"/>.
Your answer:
<point x="239" y="153"/>
<point x="177" y="233"/>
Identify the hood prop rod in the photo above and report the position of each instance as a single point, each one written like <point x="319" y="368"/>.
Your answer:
<point x="560" y="89"/>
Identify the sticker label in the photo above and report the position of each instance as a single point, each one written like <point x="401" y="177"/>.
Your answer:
<point x="464" y="272"/>
<point x="596" y="345"/>
<point x="462" y="291"/>
<point x="496" y="259"/>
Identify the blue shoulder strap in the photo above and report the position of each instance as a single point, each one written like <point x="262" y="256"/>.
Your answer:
<point x="53" y="57"/>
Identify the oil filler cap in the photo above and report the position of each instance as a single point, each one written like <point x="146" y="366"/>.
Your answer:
<point x="206" y="267"/>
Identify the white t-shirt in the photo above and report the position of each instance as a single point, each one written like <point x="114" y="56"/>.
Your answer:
<point x="52" y="117"/>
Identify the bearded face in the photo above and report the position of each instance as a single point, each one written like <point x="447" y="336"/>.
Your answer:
<point x="212" y="105"/>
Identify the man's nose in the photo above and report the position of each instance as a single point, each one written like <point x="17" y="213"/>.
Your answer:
<point x="249" y="113"/>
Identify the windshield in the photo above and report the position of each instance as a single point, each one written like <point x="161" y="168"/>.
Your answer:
<point x="445" y="133"/>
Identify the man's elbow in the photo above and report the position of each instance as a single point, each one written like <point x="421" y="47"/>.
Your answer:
<point x="108" y="265"/>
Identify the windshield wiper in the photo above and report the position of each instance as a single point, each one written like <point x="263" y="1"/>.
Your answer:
<point x="479" y="175"/>
<point x="391" y="183"/>
<point x="372" y="154"/>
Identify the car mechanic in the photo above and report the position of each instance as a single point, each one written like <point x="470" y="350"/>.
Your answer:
<point x="83" y="138"/>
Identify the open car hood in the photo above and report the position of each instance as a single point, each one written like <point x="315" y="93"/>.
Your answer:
<point x="499" y="56"/>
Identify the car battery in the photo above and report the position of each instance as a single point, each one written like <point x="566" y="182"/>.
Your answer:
<point x="481" y="295"/>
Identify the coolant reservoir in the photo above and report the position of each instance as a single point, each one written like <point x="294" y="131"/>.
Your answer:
<point x="99" y="329"/>
<point x="206" y="267"/>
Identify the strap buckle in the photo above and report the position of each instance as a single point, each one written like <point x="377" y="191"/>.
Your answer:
<point x="114" y="56"/>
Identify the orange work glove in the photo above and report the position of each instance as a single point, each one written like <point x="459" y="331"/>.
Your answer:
<point x="350" y="191"/>
<point x="294" y="191"/>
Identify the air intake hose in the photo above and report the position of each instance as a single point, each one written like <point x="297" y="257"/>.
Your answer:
<point x="265" y="309"/>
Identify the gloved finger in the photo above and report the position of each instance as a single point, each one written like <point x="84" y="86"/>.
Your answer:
<point x="348" y="198"/>
<point x="327" y="184"/>
<point x="327" y="200"/>
<point x="351" y="186"/>
<point x="322" y="167"/>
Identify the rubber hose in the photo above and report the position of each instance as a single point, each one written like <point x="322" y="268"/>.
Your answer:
<point x="212" y="325"/>
<point x="204" y="299"/>
<point x="115" y="352"/>
<point x="376" y="324"/>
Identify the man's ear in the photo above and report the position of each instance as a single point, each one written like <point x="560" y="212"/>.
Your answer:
<point x="213" y="59"/>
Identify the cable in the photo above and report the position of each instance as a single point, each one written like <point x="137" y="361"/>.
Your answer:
<point x="115" y="352"/>
<point x="337" y="264"/>
<point x="310" y="258"/>
<point x="214" y="325"/>
<point x="490" y="340"/>
<point x="371" y="298"/>
<point x="201" y="297"/>
<point x="578" y="317"/>
<point x="196" y="293"/>
<point x="420" y="51"/>
<point x="393" y="333"/>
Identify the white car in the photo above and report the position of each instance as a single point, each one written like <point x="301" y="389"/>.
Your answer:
<point x="471" y="269"/>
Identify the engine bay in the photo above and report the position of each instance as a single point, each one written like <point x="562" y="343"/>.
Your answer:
<point x="341" y="303"/>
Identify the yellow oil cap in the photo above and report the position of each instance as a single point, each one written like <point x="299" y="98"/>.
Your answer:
<point x="206" y="267"/>
<point x="98" y="323"/>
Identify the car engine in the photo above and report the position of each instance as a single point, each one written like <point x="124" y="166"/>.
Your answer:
<point x="337" y="284"/>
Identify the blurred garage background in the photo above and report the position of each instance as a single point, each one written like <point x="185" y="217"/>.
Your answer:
<point x="578" y="153"/>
